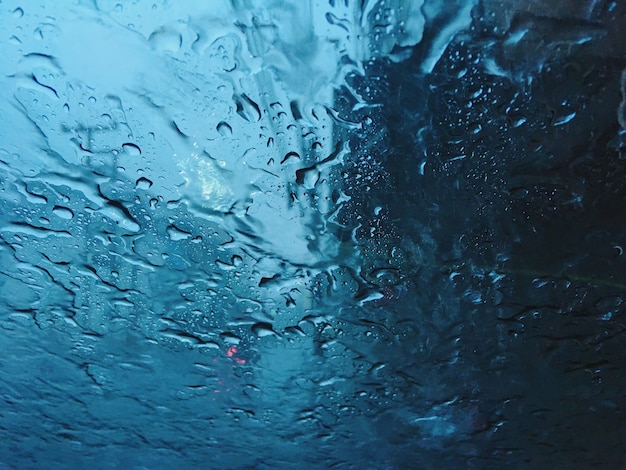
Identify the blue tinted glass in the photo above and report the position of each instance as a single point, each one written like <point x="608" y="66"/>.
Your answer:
<point x="312" y="234"/>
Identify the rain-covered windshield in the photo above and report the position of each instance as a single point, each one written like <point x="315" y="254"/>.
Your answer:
<point x="312" y="234"/>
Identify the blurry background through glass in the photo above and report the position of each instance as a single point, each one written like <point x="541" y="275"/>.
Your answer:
<point x="312" y="234"/>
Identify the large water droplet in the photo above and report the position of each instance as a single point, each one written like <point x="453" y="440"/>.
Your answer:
<point x="176" y="234"/>
<point x="63" y="212"/>
<point x="262" y="329"/>
<point x="143" y="183"/>
<point x="131" y="149"/>
<point x="247" y="108"/>
<point x="224" y="129"/>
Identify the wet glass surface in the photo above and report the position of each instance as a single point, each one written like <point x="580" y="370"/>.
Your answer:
<point x="313" y="234"/>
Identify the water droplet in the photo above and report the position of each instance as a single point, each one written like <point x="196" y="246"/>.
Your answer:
<point x="290" y="155"/>
<point x="475" y="128"/>
<point x="230" y="338"/>
<point x="247" y="108"/>
<point x="519" y="121"/>
<point x="262" y="329"/>
<point x="295" y="111"/>
<point x="564" y="119"/>
<point x="143" y="183"/>
<point x="295" y="330"/>
<point x="176" y="234"/>
<point x="63" y="212"/>
<point x="224" y="129"/>
<point x="131" y="149"/>
<point x="166" y="40"/>
<point x="308" y="177"/>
